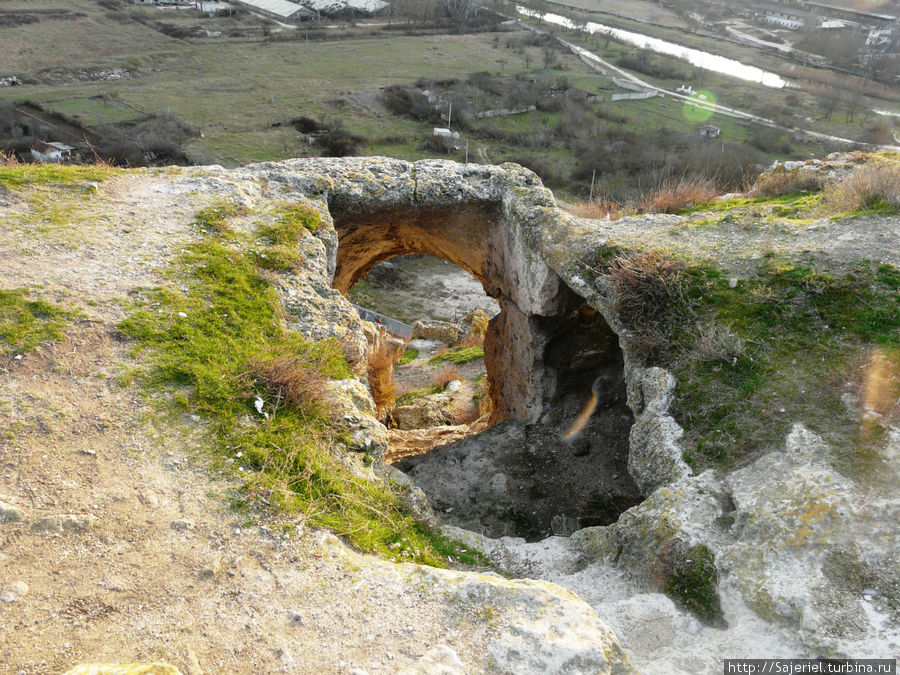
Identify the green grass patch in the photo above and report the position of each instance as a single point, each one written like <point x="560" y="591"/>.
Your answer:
<point x="459" y="355"/>
<point x="214" y="218"/>
<point x="778" y="348"/>
<point x="409" y="354"/>
<point x="280" y="237"/>
<point x="25" y="324"/>
<point x="411" y="396"/>
<point x="804" y="331"/>
<point x="20" y="175"/>
<point x="216" y="346"/>
<point x="693" y="585"/>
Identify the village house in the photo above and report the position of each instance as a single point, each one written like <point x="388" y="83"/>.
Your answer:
<point x="52" y="151"/>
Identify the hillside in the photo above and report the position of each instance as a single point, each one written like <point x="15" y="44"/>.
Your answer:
<point x="192" y="465"/>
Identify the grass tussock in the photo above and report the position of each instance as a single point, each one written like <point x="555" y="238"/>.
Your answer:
<point x="25" y="324"/>
<point x="874" y="186"/>
<point x="214" y="344"/>
<point x="677" y="194"/>
<point x="781" y="182"/>
<point x="599" y="208"/>
<point x="649" y="295"/>
<point x="294" y="380"/>
<point x="213" y="219"/>
<point x="381" y="377"/>
<point x="409" y="354"/>
<point x="410" y="395"/>
<point x="445" y="375"/>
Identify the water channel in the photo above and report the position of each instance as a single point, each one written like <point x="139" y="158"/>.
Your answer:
<point x="696" y="57"/>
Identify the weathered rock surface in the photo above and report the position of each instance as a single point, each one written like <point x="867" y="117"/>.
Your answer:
<point x="424" y="412"/>
<point x="535" y="627"/>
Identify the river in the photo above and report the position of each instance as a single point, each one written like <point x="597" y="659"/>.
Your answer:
<point x="701" y="59"/>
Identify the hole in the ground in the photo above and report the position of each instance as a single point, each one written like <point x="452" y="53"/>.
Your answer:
<point x="555" y="457"/>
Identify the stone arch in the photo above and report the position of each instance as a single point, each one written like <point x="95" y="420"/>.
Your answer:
<point x="459" y="213"/>
<point x="545" y="353"/>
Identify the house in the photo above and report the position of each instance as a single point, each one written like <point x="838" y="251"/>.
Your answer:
<point x="52" y="152"/>
<point x="710" y="131"/>
<point x="280" y="10"/>
<point x="780" y="15"/>
<point x="343" y="7"/>
<point x="442" y="131"/>
<point x="212" y="8"/>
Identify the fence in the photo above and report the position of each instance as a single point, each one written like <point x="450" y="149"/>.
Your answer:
<point x="394" y="327"/>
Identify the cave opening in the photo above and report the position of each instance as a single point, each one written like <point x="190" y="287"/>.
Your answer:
<point x="553" y="457"/>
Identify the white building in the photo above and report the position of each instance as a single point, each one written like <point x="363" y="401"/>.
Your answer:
<point x="52" y="152"/>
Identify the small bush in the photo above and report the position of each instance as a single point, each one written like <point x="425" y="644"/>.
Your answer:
<point x="292" y="380"/>
<point x="445" y="375"/>
<point x="381" y="377"/>
<point x="780" y="182"/>
<point x="338" y="142"/>
<point x="675" y="195"/>
<point x="598" y="209"/>
<point x="869" y="186"/>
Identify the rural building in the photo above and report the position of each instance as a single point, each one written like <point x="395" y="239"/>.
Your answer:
<point x="52" y="152"/>
<point x="780" y="15"/>
<point x="710" y="131"/>
<point x="281" y="10"/>
<point x="338" y="7"/>
<point x="213" y="8"/>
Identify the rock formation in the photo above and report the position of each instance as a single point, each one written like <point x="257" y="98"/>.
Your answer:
<point x="783" y="550"/>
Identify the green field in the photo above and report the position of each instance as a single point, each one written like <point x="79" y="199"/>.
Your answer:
<point x="239" y="94"/>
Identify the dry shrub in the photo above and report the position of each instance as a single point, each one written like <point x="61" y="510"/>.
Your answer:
<point x="781" y="182"/>
<point x="716" y="343"/>
<point x="598" y="209"/>
<point x="292" y="381"/>
<point x="649" y="297"/>
<point x="677" y="194"/>
<point x="470" y="340"/>
<point x="867" y="186"/>
<point x="8" y="159"/>
<point x="445" y="375"/>
<point x="381" y="376"/>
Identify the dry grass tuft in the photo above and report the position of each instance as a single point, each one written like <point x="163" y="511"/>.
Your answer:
<point x="292" y="381"/>
<point x="381" y="377"/>
<point x="598" y="209"/>
<point x="470" y="340"/>
<point x="780" y="182"/>
<point x="446" y="375"/>
<point x="717" y="343"/>
<point x="649" y="296"/>
<point x="868" y="186"/>
<point x="8" y="159"/>
<point x="677" y="194"/>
